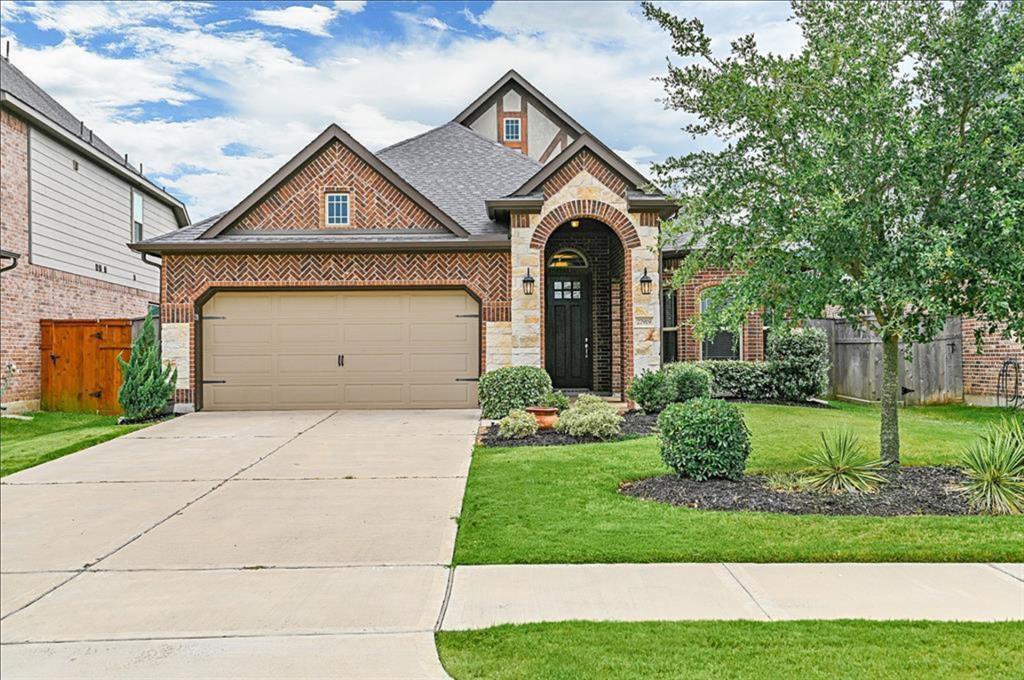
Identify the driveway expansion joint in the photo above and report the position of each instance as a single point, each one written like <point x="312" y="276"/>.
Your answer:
<point x="747" y="591"/>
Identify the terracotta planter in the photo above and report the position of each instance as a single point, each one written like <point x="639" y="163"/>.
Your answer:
<point x="546" y="416"/>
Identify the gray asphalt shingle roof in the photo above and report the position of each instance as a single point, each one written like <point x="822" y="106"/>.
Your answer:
<point x="458" y="170"/>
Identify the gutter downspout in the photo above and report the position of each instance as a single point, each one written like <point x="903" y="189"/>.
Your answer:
<point x="158" y="265"/>
<point x="13" y="257"/>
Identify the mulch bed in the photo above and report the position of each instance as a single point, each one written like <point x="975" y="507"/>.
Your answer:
<point x="634" y="424"/>
<point x="909" y="491"/>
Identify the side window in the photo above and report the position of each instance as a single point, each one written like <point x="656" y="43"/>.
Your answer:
<point x="669" y="327"/>
<point x="512" y="130"/>
<point x="137" y="216"/>
<point x="722" y="345"/>
<point x="337" y="210"/>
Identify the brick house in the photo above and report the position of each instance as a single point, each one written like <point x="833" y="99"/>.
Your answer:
<point x="69" y="205"/>
<point x="508" y="236"/>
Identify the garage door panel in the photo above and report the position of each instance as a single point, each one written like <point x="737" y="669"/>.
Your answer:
<point x="280" y="350"/>
<point x="459" y="363"/>
<point x="308" y="333"/>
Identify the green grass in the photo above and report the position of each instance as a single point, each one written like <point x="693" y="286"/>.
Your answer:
<point x="736" y="649"/>
<point x="49" y="435"/>
<point x="560" y="504"/>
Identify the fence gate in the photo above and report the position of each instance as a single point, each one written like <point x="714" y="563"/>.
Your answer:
<point x="79" y="370"/>
<point x="933" y="375"/>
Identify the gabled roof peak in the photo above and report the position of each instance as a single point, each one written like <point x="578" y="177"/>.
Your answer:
<point x="589" y="143"/>
<point x="512" y="77"/>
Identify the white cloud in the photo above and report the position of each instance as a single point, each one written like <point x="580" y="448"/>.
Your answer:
<point x="309" y="19"/>
<point x="596" y="60"/>
<point x="88" y="18"/>
<point x="312" y="19"/>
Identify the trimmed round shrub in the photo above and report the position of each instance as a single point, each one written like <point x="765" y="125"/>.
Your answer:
<point x="689" y="381"/>
<point x="554" y="400"/>
<point x="517" y="424"/>
<point x="798" y="362"/>
<point x="652" y="390"/>
<point x="704" y="438"/>
<point x="512" y="387"/>
<point x="590" y="416"/>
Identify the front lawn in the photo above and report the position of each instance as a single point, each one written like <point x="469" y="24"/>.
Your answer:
<point x="560" y="504"/>
<point x="735" y="649"/>
<point x="49" y="435"/>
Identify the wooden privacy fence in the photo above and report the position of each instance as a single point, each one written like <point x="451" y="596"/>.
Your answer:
<point x="79" y="369"/>
<point x="933" y="375"/>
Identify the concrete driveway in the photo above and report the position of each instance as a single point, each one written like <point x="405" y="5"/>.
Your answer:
<point x="298" y="544"/>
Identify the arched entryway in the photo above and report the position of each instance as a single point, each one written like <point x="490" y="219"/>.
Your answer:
<point x="584" y="313"/>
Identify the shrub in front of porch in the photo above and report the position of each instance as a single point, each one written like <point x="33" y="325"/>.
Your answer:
<point x="689" y="381"/>
<point x="652" y="390"/>
<point x="704" y="438"/>
<point x="517" y="425"/>
<point x="512" y="387"/>
<point x="590" y="416"/>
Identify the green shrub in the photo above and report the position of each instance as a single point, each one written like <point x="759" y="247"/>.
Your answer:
<point x="704" y="438"/>
<point x="146" y="386"/>
<point x="554" y="400"/>
<point x="512" y="387"/>
<point x="517" y="424"/>
<point x="689" y="381"/>
<point x="994" y="466"/>
<point x="590" y="416"/>
<point x="652" y="390"/>
<point x="740" y="379"/>
<point x="798" y="362"/>
<point x="840" y="464"/>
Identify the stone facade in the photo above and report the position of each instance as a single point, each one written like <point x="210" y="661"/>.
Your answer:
<point x="585" y="189"/>
<point x="29" y="292"/>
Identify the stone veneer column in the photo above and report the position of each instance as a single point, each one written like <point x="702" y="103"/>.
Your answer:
<point x="525" y="342"/>
<point x="646" y="308"/>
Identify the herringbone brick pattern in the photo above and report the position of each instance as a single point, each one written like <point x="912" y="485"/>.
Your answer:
<point x="585" y="161"/>
<point x="298" y="202"/>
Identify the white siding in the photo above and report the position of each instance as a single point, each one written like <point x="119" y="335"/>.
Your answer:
<point x="486" y="123"/>
<point x="81" y="218"/>
<point x="541" y="130"/>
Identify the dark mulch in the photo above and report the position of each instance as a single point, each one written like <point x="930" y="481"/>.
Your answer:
<point x="909" y="491"/>
<point x="634" y="424"/>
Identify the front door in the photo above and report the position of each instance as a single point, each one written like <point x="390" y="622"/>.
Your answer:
<point x="568" y="330"/>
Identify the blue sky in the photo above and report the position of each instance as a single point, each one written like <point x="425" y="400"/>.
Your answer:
<point x="214" y="96"/>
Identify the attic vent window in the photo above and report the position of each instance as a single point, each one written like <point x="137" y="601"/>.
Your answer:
<point x="512" y="130"/>
<point x="337" y="210"/>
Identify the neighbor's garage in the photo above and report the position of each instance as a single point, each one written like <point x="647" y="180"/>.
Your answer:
<point x="340" y="349"/>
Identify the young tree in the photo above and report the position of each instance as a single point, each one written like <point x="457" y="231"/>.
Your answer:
<point x="878" y="171"/>
<point x="146" y="385"/>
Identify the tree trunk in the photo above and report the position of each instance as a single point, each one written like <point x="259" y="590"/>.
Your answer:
<point x="890" y="433"/>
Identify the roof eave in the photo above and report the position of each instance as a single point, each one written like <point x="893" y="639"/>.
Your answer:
<point x="663" y="205"/>
<point x="496" y="206"/>
<point x="9" y="101"/>
<point x="202" y="246"/>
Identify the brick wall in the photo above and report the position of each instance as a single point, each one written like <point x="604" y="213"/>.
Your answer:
<point x="298" y="202"/>
<point x="688" y="307"/>
<point x="981" y="368"/>
<point x="187" y="277"/>
<point x="29" y="293"/>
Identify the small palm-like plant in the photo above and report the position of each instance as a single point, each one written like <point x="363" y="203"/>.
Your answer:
<point x="994" y="466"/>
<point x="840" y="464"/>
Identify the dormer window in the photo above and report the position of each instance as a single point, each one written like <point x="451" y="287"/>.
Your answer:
<point x="337" y="210"/>
<point x="512" y="130"/>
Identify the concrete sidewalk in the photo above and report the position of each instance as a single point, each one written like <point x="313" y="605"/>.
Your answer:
<point x="483" y="596"/>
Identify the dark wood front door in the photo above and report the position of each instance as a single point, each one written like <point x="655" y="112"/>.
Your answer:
<point x="567" y="321"/>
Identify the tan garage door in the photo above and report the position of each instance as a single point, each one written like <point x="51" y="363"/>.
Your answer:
<point x="366" y="349"/>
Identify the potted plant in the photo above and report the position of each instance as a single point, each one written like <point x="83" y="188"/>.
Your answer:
<point x="547" y="408"/>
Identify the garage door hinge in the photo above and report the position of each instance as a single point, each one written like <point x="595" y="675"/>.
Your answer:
<point x="467" y="316"/>
<point x="467" y="380"/>
<point x="214" y="382"/>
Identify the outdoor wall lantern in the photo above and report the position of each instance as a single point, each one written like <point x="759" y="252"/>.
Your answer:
<point x="528" y="283"/>
<point x="646" y="283"/>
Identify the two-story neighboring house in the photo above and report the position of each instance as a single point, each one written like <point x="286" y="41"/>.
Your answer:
<point x="69" y="205"/>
